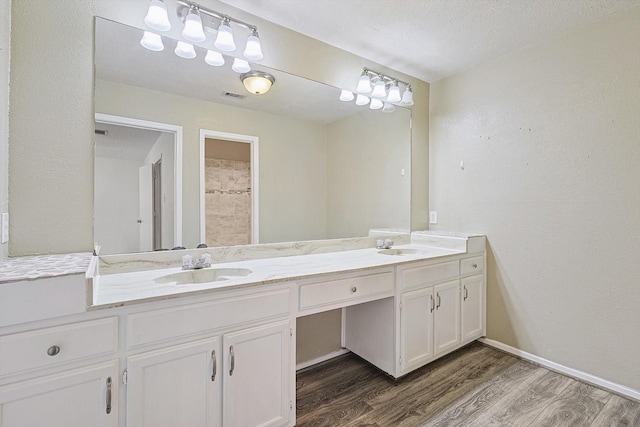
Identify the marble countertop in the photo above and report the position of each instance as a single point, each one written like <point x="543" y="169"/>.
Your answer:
<point x="111" y="290"/>
<point x="43" y="266"/>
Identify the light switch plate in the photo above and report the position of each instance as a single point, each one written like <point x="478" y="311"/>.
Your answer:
<point x="5" y="228"/>
<point x="433" y="217"/>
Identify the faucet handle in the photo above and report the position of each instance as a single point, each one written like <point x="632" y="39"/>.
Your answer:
<point x="388" y="243"/>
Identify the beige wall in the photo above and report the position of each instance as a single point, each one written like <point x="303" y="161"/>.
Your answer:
<point x="365" y="159"/>
<point x="550" y="139"/>
<point x="51" y="117"/>
<point x="5" y="42"/>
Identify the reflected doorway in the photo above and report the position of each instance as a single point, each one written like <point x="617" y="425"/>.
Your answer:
<point x="228" y="189"/>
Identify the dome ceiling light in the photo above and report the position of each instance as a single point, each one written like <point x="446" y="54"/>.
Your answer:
<point x="257" y="82"/>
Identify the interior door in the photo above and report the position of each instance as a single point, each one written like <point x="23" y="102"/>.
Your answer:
<point x="145" y="221"/>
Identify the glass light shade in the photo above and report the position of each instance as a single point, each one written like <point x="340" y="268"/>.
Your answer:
<point x="407" y="97"/>
<point x="157" y="16"/>
<point x="379" y="90"/>
<point x="394" y="94"/>
<point x="346" y="95"/>
<point x="253" y="51"/>
<point x="193" y="27"/>
<point x="388" y="108"/>
<point x="362" y="100"/>
<point x="214" y="58"/>
<point x="364" y="84"/>
<point x="152" y="41"/>
<point x="376" y="104"/>
<point x="224" y="40"/>
<point x="185" y="50"/>
<point x="257" y="82"/>
<point x="240" y="66"/>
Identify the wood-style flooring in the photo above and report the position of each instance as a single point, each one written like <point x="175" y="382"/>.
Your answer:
<point x="474" y="386"/>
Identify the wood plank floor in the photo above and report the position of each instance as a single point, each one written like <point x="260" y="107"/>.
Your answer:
<point x="474" y="386"/>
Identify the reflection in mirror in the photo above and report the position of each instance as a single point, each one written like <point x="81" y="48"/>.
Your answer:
<point x="327" y="169"/>
<point x="136" y="185"/>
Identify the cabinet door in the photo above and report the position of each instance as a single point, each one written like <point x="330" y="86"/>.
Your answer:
<point x="416" y="326"/>
<point x="175" y="386"/>
<point x="256" y="376"/>
<point x="473" y="308"/>
<point x="75" y="398"/>
<point x="446" y="316"/>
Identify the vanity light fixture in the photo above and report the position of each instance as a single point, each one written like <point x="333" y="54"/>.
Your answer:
<point x="380" y="98"/>
<point x="185" y="50"/>
<point x="192" y="14"/>
<point x="240" y="66"/>
<point x="214" y="58"/>
<point x="152" y="41"/>
<point x="346" y="95"/>
<point x="257" y="82"/>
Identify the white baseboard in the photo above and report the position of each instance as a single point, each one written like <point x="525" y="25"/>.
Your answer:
<point x="321" y="359"/>
<point x="574" y="373"/>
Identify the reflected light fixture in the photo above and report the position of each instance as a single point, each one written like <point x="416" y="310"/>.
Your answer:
<point x="346" y="95"/>
<point x="380" y="97"/>
<point x="193" y="15"/>
<point x="257" y="82"/>
<point x="157" y="17"/>
<point x="152" y="41"/>
<point x="192" y="30"/>
<point x="185" y="50"/>
<point x="240" y="66"/>
<point x="214" y="58"/>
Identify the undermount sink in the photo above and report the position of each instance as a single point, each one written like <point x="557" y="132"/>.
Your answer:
<point x="406" y="251"/>
<point x="205" y="275"/>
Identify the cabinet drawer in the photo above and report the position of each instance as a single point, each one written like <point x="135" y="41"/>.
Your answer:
<point x="417" y="277"/>
<point x="50" y="346"/>
<point x="175" y="322"/>
<point x="472" y="265"/>
<point x="346" y="291"/>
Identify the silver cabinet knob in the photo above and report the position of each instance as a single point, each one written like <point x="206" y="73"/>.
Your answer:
<point x="354" y="289"/>
<point x="53" y="350"/>
<point x="474" y="265"/>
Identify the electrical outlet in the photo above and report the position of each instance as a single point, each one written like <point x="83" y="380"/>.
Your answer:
<point x="5" y="228"/>
<point x="433" y="217"/>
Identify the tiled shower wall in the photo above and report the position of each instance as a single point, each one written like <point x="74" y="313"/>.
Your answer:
<point x="228" y="202"/>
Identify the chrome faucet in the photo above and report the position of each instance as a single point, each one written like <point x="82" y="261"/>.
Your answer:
<point x="203" y="261"/>
<point x="384" y="244"/>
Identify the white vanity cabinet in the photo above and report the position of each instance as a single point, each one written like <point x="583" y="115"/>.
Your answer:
<point x="473" y="298"/>
<point x="224" y="362"/>
<point x="65" y="375"/>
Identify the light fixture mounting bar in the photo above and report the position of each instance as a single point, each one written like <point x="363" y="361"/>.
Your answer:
<point x="382" y="76"/>
<point x="217" y="15"/>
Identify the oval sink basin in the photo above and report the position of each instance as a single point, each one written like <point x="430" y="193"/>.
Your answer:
<point x="205" y="275"/>
<point x="405" y="251"/>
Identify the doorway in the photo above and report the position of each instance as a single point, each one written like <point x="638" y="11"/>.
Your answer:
<point x="229" y="189"/>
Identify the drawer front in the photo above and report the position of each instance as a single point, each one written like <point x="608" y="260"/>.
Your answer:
<point x="417" y="277"/>
<point x="51" y="346"/>
<point x="472" y="265"/>
<point x="346" y="291"/>
<point x="175" y="322"/>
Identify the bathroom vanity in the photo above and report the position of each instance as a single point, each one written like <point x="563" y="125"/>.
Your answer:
<point x="152" y="351"/>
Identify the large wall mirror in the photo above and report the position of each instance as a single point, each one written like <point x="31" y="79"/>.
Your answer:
<point x="304" y="166"/>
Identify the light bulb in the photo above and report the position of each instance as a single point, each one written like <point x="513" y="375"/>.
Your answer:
<point x="379" y="89"/>
<point x="253" y="51"/>
<point x="193" y="27"/>
<point x="152" y="41"/>
<point x="364" y="84"/>
<point x="407" y="96"/>
<point x="214" y="58"/>
<point x="346" y="95"/>
<point x="185" y="50"/>
<point x="376" y="104"/>
<point x="224" y="40"/>
<point x="388" y="108"/>
<point x="157" y="16"/>
<point x="394" y="93"/>
<point x="240" y="66"/>
<point x="362" y="100"/>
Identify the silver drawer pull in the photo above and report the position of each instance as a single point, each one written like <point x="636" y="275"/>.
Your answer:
<point x="53" y="350"/>
<point x="233" y="360"/>
<point x="354" y="289"/>
<point x="466" y="293"/>
<point x="109" y="395"/>
<point x="433" y="305"/>
<point x="474" y="265"/>
<point x="438" y="295"/>
<point x="215" y="367"/>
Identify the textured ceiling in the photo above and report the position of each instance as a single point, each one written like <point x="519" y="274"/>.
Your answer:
<point x="431" y="39"/>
